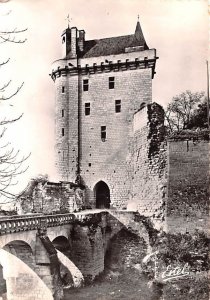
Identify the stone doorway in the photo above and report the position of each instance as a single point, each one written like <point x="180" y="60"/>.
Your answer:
<point x="102" y="195"/>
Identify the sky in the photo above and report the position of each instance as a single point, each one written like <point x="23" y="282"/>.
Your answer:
<point x="178" y="29"/>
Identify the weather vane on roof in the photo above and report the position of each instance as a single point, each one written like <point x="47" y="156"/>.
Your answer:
<point x="138" y="17"/>
<point x="68" y="20"/>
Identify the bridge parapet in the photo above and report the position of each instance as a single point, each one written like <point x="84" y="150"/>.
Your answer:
<point x="25" y="223"/>
<point x="55" y="220"/>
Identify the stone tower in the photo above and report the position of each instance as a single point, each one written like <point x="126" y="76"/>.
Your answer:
<point x="99" y="86"/>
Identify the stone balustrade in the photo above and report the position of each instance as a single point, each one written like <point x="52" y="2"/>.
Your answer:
<point x="11" y="224"/>
<point x="25" y="223"/>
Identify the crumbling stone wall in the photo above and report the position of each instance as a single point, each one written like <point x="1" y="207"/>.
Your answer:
<point x="95" y="234"/>
<point x="131" y="221"/>
<point x="87" y="250"/>
<point x="126" y="251"/>
<point x="188" y="182"/>
<point x="49" y="197"/>
<point x="149" y="163"/>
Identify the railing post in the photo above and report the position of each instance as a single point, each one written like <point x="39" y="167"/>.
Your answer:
<point x="42" y="226"/>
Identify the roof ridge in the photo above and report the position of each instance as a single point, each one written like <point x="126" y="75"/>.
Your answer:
<point x="112" y="37"/>
<point x="113" y="45"/>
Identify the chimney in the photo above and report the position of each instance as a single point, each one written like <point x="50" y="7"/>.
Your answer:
<point x="73" y="42"/>
<point x="81" y="40"/>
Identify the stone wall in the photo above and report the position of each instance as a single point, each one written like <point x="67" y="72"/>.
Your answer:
<point x="110" y="160"/>
<point x="87" y="250"/>
<point x="49" y="197"/>
<point x="66" y="126"/>
<point x="188" y="182"/>
<point x="133" y="222"/>
<point x="149" y="163"/>
<point x="95" y="237"/>
<point x="126" y="251"/>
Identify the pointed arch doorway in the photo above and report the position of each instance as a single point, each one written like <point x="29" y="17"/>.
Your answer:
<point x="102" y="195"/>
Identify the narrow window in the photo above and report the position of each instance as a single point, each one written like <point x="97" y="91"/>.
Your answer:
<point x="87" y="109"/>
<point x="85" y="85"/>
<point x="62" y="112"/>
<point x="111" y="82"/>
<point x="62" y="131"/>
<point x="117" y="106"/>
<point x="63" y="40"/>
<point x="103" y="133"/>
<point x="63" y="89"/>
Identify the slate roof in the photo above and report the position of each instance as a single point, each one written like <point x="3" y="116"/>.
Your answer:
<point x="114" y="45"/>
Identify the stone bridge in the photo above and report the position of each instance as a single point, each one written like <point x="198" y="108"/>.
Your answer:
<point x="42" y="254"/>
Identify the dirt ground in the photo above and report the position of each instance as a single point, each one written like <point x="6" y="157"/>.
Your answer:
<point x="129" y="286"/>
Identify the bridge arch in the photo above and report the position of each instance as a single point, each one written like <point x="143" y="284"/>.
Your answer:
<point x="23" y="251"/>
<point x="25" y="236"/>
<point x="70" y="274"/>
<point x="21" y="281"/>
<point x="125" y="249"/>
<point x="62" y="244"/>
<point x="102" y="195"/>
<point x="63" y="230"/>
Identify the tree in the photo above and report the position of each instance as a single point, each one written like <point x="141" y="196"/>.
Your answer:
<point x="181" y="109"/>
<point x="11" y="162"/>
<point x="199" y="117"/>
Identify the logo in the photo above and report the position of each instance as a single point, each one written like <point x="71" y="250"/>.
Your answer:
<point x="175" y="272"/>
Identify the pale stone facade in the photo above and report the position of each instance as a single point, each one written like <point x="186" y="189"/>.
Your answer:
<point x="100" y="85"/>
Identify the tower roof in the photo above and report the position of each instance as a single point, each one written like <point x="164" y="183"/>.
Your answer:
<point x="114" y="45"/>
<point x="139" y="34"/>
